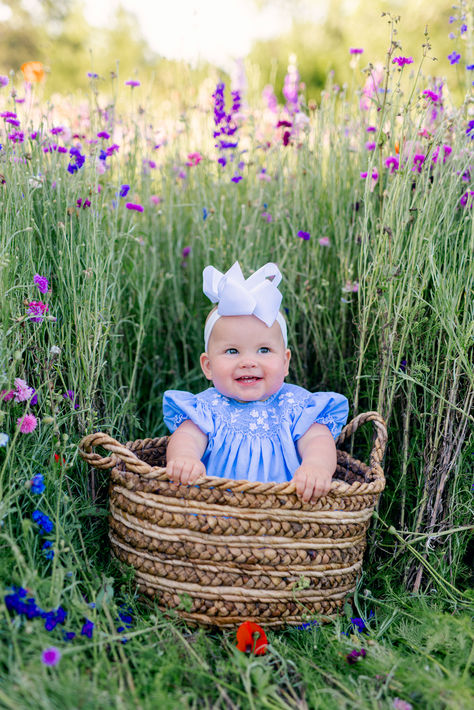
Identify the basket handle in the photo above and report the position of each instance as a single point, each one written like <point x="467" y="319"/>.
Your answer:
<point x="380" y="441"/>
<point x="119" y="453"/>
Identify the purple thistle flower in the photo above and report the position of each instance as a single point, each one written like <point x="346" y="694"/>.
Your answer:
<point x="370" y="145"/>
<point x="133" y="206"/>
<point x="103" y="134"/>
<point x="185" y="252"/>
<point x="16" y="137"/>
<point x="51" y="656"/>
<point x="42" y="283"/>
<point x="57" y="130"/>
<point x="392" y="163"/>
<point x="36" y="311"/>
<point x="454" y="58"/>
<point x="418" y="160"/>
<point x="304" y="235"/>
<point x="12" y="121"/>
<point x="355" y="50"/>
<point x="8" y="114"/>
<point x="112" y="148"/>
<point x="132" y="83"/>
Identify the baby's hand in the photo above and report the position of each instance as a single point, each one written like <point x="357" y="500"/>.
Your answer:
<point x="312" y="482"/>
<point x="185" y="470"/>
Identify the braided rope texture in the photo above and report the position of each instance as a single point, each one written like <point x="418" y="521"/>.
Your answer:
<point x="223" y="551"/>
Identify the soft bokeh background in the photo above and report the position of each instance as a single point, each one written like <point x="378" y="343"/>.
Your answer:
<point x="172" y="45"/>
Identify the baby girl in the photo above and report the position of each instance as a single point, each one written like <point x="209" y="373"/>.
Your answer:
<point x="251" y="424"/>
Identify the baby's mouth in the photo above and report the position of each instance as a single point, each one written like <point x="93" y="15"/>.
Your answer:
<point x="248" y="379"/>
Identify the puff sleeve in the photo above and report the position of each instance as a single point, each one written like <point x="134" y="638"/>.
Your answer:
<point x="327" y="408"/>
<point x="178" y="406"/>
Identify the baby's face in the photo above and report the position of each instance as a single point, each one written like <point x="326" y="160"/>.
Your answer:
<point x="246" y="360"/>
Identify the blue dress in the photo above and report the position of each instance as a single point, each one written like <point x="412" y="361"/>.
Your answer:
<point x="255" y="440"/>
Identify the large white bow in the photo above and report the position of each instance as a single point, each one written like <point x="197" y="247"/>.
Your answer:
<point x="237" y="296"/>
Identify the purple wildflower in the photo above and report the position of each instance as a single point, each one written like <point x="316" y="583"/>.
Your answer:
<point x="290" y="87"/>
<point x="78" y="161"/>
<point x="463" y="28"/>
<point x="36" y="311"/>
<point x="236" y="178"/>
<point x="16" y="137"/>
<point x="71" y="395"/>
<point x="454" y="57"/>
<point x="37" y="484"/>
<point x="112" y="149"/>
<point x="57" y="130"/>
<point x="12" y="121"/>
<point x="132" y="83"/>
<point x="370" y="145"/>
<point x="418" y="160"/>
<point x="269" y="96"/>
<point x="401" y="61"/>
<point x="359" y="624"/>
<point x="124" y="190"/>
<point x="133" y="206"/>
<point x="470" y="129"/>
<point x="355" y="656"/>
<point x="304" y="235"/>
<point x="51" y="656"/>
<point x="8" y="114"/>
<point x="87" y="629"/>
<point x="42" y="283"/>
<point x="92" y="75"/>
<point x="470" y="67"/>
<point x="103" y="134"/>
<point x="356" y="50"/>
<point x="185" y="252"/>
<point x="392" y="163"/>
<point x="4" y="80"/>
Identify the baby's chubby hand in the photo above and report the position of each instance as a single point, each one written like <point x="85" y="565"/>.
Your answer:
<point x="185" y="470"/>
<point x="312" y="482"/>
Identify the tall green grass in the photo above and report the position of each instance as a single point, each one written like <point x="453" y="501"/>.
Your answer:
<point x="129" y="317"/>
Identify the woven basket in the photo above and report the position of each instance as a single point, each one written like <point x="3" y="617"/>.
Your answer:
<point x="239" y="550"/>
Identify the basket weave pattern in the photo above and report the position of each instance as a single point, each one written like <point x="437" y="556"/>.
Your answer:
<point x="239" y="550"/>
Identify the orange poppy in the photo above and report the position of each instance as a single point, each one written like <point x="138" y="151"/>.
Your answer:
<point x="397" y="147"/>
<point x="251" y="637"/>
<point x="33" y="72"/>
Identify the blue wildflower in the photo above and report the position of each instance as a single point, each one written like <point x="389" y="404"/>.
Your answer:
<point x="16" y="601"/>
<point x="103" y="155"/>
<point x="469" y="67"/>
<point x="46" y="547"/>
<point x="69" y="635"/>
<point x="454" y="57"/>
<point x="78" y="161"/>
<point x="463" y="29"/>
<point x="470" y="129"/>
<point x="37" y="484"/>
<point x="54" y="617"/>
<point x="359" y="624"/>
<point x="87" y="629"/>
<point x="205" y="214"/>
<point x="124" y="190"/>
<point x="43" y="521"/>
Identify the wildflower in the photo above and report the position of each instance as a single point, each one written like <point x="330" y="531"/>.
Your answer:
<point x="36" y="311"/>
<point x="103" y="134"/>
<point x="42" y="283"/>
<point x="132" y="83"/>
<point x="155" y="199"/>
<point x="205" y="214"/>
<point x="469" y="67"/>
<point x="46" y="548"/>
<point x="351" y="287"/>
<point x="22" y="391"/>
<point x="418" y="160"/>
<point x="133" y="206"/>
<point x="78" y="161"/>
<point x="4" y="439"/>
<point x="251" y="638"/>
<point x="324" y="242"/>
<point x="7" y="396"/>
<point x="87" y="629"/>
<point x="263" y="175"/>
<point x="355" y="656"/>
<point x="365" y="174"/>
<point x="27" y="423"/>
<point x="57" y="459"/>
<point x="185" y="252"/>
<point x="304" y="235"/>
<point x="92" y="75"/>
<point x="470" y="129"/>
<point x="37" y="484"/>
<point x="124" y="190"/>
<point x="400" y="704"/>
<point x="371" y="129"/>
<point x="193" y="159"/>
<point x="465" y="197"/>
<point x="44" y="523"/>
<point x="356" y="50"/>
<point x="269" y="95"/>
<point x="111" y="149"/>
<point x="447" y="150"/>
<point x="463" y="29"/>
<point x="392" y="163"/>
<point x="290" y="86"/>
<point x="454" y="57"/>
<point x="69" y="635"/>
<point x="57" y="130"/>
<point x="403" y="365"/>
<point x="12" y="121"/>
<point x="54" y="350"/>
<point x="51" y="656"/>
<point x="16" y="137"/>
<point x="18" y="602"/>
<point x="84" y="204"/>
<point x="33" y="72"/>
<point x="359" y="624"/>
<point x="432" y="95"/>
<point x="71" y="395"/>
<point x="401" y="61"/>
<point x="370" y="145"/>
<point x="236" y="178"/>
<point x="4" y="80"/>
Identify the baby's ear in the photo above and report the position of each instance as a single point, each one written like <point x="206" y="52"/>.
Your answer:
<point x="206" y="365"/>
<point x="287" y="358"/>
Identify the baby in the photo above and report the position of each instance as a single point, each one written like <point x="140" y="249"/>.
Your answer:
<point x="251" y="424"/>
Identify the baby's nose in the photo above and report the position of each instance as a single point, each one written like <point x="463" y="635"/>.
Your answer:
<point x="247" y="361"/>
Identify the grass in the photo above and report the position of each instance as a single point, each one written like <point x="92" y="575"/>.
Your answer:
<point x="383" y="314"/>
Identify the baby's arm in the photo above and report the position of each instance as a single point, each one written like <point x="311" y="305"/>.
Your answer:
<point x="183" y="453"/>
<point x="318" y="463"/>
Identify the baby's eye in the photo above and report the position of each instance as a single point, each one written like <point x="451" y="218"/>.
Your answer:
<point x="231" y="351"/>
<point x="264" y="349"/>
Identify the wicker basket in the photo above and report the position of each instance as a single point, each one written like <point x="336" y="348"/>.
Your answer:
<point x="239" y="550"/>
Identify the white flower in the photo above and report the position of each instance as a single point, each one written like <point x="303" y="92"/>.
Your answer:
<point x="252" y="426"/>
<point x="4" y="439"/>
<point x="54" y="350"/>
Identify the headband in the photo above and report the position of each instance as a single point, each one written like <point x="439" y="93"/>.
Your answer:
<point x="236" y="296"/>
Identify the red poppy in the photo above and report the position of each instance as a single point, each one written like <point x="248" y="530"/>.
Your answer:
<point x="251" y="638"/>
<point x="57" y="458"/>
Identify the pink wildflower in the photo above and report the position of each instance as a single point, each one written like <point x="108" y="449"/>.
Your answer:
<point x="324" y="242"/>
<point x="370" y="145"/>
<point x="193" y="159"/>
<point x="7" y="395"/>
<point x="27" y="423"/>
<point x="36" y="311"/>
<point x="155" y="199"/>
<point x="351" y="287"/>
<point x="133" y="206"/>
<point x="400" y="704"/>
<point x="392" y="163"/>
<point x="22" y="391"/>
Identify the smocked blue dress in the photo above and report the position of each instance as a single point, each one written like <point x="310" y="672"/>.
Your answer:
<point x="255" y="440"/>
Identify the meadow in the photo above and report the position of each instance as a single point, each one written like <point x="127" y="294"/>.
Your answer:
<point x="110" y="209"/>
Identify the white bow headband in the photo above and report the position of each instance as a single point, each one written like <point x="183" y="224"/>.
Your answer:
<point x="237" y="296"/>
